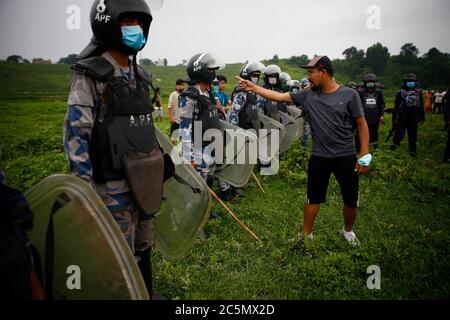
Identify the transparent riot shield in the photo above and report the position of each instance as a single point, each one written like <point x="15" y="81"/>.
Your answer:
<point x="291" y="131"/>
<point x="89" y="248"/>
<point x="265" y="137"/>
<point x="183" y="213"/>
<point x="240" y="155"/>
<point x="297" y="114"/>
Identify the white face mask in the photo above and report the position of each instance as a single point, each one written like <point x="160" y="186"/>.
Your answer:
<point x="272" y="81"/>
<point x="255" y="80"/>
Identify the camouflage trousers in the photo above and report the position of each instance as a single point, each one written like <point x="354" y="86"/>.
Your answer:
<point x="136" y="226"/>
<point x="206" y="168"/>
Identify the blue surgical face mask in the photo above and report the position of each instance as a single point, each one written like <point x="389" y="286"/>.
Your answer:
<point x="411" y="84"/>
<point x="133" y="37"/>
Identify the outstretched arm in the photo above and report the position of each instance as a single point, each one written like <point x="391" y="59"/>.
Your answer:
<point x="266" y="93"/>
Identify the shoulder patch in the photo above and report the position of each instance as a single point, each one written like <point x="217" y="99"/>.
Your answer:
<point x="96" y="67"/>
<point x="191" y="92"/>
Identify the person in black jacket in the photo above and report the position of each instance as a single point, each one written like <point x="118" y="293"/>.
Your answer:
<point x="373" y="103"/>
<point x="19" y="276"/>
<point x="408" y="113"/>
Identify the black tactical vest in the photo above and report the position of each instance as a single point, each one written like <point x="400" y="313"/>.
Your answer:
<point x="370" y="102"/>
<point x="123" y="121"/>
<point x="205" y="110"/>
<point x="272" y="108"/>
<point x="248" y="115"/>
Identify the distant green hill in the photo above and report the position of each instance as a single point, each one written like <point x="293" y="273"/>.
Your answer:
<point x="30" y="81"/>
<point x="51" y="82"/>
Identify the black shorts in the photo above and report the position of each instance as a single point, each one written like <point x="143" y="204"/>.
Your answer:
<point x="319" y="172"/>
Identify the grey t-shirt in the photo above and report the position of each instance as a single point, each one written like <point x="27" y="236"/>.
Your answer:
<point x="331" y="117"/>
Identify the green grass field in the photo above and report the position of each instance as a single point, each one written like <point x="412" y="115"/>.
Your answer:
<point x="404" y="221"/>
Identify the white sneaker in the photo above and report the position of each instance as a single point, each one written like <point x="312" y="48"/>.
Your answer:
<point x="310" y="236"/>
<point x="350" y="237"/>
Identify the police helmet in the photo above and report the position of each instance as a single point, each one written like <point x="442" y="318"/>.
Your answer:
<point x="410" y="77"/>
<point x="105" y="23"/>
<point x="202" y="68"/>
<point x="249" y="68"/>
<point x="272" y="70"/>
<point x="305" y="84"/>
<point x="370" y="78"/>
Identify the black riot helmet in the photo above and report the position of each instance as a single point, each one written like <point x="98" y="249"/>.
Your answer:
<point x="370" y="81"/>
<point x="410" y="81"/>
<point x="351" y="84"/>
<point x="202" y="68"/>
<point x="105" y="23"/>
<point x="410" y="77"/>
<point x="370" y="78"/>
<point x="251" y="68"/>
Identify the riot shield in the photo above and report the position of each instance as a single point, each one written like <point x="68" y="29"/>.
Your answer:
<point x="183" y="212"/>
<point x="240" y="155"/>
<point x="265" y="137"/>
<point x="91" y="258"/>
<point x="297" y="114"/>
<point x="291" y="131"/>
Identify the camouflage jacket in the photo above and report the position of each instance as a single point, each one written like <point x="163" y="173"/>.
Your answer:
<point x="78" y="125"/>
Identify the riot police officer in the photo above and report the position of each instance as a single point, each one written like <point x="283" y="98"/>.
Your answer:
<point x="373" y="103"/>
<point x="198" y="107"/>
<point x="244" y="104"/>
<point x="408" y="113"/>
<point x="109" y="134"/>
<point x="296" y="86"/>
<point x="271" y="82"/>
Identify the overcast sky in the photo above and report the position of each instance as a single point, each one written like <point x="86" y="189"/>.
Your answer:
<point x="237" y="30"/>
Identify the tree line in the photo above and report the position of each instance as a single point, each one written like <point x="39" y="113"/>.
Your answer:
<point x="432" y="67"/>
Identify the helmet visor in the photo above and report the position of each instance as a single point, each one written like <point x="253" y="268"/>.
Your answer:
<point x="212" y="61"/>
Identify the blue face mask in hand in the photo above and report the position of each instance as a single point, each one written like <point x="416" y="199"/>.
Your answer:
<point x="133" y="37"/>
<point x="411" y="84"/>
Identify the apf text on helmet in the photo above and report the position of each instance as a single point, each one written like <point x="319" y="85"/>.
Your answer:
<point x="102" y="18"/>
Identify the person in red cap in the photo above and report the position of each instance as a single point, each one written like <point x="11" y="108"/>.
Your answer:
<point x="332" y="111"/>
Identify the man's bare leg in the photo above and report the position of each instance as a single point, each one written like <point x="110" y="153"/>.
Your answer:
<point x="349" y="217"/>
<point x="310" y="212"/>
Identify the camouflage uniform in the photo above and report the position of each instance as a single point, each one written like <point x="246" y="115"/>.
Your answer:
<point x="205" y="165"/>
<point x="84" y="97"/>
<point x="238" y="104"/>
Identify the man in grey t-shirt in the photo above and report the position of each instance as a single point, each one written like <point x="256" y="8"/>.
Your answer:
<point x="332" y="112"/>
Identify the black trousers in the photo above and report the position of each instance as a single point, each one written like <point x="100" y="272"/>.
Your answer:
<point x="410" y="125"/>
<point x="373" y="135"/>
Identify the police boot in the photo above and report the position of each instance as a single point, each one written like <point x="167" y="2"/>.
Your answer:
<point x="239" y="192"/>
<point x="145" y="266"/>
<point x="213" y="215"/>
<point x="227" y="195"/>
